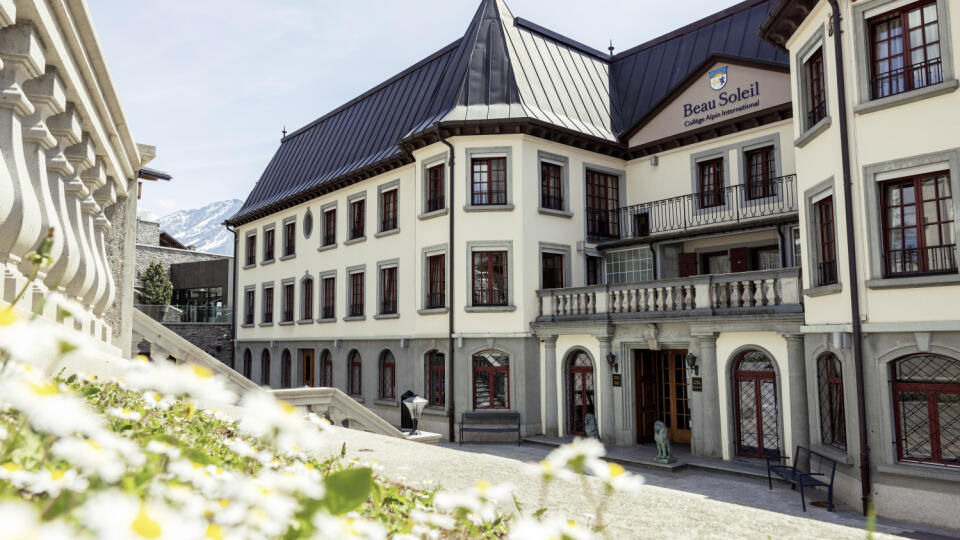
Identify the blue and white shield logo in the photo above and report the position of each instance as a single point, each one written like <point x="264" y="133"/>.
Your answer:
<point x="718" y="78"/>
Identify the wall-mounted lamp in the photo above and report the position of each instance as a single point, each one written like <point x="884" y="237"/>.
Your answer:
<point x="654" y="160"/>
<point x="692" y="363"/>
<point x="612" y="361"/>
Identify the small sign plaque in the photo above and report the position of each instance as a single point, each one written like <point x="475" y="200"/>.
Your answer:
<point x="697" y="383"/>
<point x="616" y="379"/>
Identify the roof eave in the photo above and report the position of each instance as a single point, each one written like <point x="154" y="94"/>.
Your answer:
<point x="782" y="21"/>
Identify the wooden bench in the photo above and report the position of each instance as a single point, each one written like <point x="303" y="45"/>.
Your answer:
<point x="490" y="422"/>
<point x="822" y="470"/>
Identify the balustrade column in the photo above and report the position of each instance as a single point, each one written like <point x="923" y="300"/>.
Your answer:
<point x="105" y="197"/>
<point x="94" y="178"/>
<point x="65" y="253"/>
<point x="551" y="423"/>
<point x="81" y="156"/>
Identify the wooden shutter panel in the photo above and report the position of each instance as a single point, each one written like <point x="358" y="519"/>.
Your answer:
<point x="739" y="260"/>
<point x="688" y="264"/>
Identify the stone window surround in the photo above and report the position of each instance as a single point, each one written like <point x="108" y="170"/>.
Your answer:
<point x="306" y="215"/>
<point x="351" y="270"/>
<point x="246" y="289"/>
<point x="490" y="245"/>
<point x="593" y="252"/>
<point x="286" y="221"/>
<point x="862" y="11"/>
<point x="515" y="388"/>
<point x="558" y="249"/>
<point x="263" y="307"/>
<point x="283" y="283"/>
<point x="723" y="152"/>
<point x="320" y="277"/>
<point x="494" y="151"/>
<point x="811" y="196"/>
<point x="246" y="247"/>
<point x="425" y="254"/>
<point x="564" y="163"/>
<point x="890" y="170"/>
<point x="350" y="200"/>
<point x="303" y="293"/>
<point x="393" y="185"/>
<point x="621" y="175"/>
<point x="323" y="225"/>
<point x="266" y="228"/>
<point x="381" y="265"/>
<point x="847" y="371"/>
<point x="426" y="165"/>
<point x="808" y="133"/>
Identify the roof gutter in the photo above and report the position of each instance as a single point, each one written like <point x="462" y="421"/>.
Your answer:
<point x="451" y="389"/>
<point x="854" y="286"/>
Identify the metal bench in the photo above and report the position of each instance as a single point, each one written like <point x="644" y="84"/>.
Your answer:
<point x="822" y="471"/>
<point x="490" y="422"/>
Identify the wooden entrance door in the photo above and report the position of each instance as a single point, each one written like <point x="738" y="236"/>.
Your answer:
<point x="306" y="366"/>
<point x="580" y="393"/>
<point x="661" y="384"/>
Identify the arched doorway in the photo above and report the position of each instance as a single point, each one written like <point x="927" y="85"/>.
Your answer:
<point x="326" y="369"/>
<point x="757" y="412"/>
<point x="581" y="395"/>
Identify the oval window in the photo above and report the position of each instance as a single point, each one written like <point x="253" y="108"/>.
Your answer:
<point x="307" y="224"/>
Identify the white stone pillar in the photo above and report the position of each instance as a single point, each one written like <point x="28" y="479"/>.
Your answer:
<point x="709" y="432"/>
<point x="551" y="423"/>
<point x="604" y="383"/>
<point x="797" y="382"/>
<point x="65" y="253"/>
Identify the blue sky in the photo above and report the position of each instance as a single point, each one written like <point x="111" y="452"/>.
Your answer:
<point x="212" y="83"/>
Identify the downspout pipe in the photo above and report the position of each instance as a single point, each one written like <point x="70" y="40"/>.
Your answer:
<point x="236" y="289"/>
<point x="854" y="285"/>
<point x="451" y="392"/>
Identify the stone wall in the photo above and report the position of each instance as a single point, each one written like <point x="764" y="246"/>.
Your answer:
<point x="121" y="252"/>
<point x="215" y="339"/>
<point x="167" y="256"/>
<point x="148" y="233"/>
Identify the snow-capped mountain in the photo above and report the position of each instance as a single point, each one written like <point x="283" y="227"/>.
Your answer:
<point x="203" y="227"/>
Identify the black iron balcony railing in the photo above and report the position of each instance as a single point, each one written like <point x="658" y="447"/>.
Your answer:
<point x="434" y="204"/>
<point x="435" y="300"/>
<point x="487" y="297"/>
<point x="734" y="204"/>
<point x="932" y="260"/>
<point x="897" y="81"/>
<point x="816" y="114"/>
<point x="826" y="273"/>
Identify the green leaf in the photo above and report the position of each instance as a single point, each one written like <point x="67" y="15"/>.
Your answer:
<point x="347" y="490"/>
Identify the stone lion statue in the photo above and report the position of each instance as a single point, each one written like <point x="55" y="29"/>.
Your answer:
<point x="663" y="442"/>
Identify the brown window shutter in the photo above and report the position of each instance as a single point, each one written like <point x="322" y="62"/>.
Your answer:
<point x="739" y="260"/>
<point x="688" y="264"/>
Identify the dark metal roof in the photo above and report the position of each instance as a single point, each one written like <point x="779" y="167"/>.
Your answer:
<point x="783" y="19"/>
<point x="153" y="174"/>
<point x="502" y="70"/>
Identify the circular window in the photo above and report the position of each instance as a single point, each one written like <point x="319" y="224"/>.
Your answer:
<point x="307" y="224"/>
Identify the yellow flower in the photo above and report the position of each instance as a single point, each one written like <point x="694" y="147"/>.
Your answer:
<point x="57" y="474"/>
<point x="615" y="469"/>
<point x="7" y="316"/>
<point x="287" y="408"/>
<point x="142" y="358"/>
<point x="201" y="371"/>
<point x="145" y="527"/>
<point x="214" y="532"/>
<point x="44" y="388"/>
<point x="10" y="467"/>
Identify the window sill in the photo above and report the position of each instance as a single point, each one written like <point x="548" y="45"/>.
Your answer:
<point x="488" y="208"/>
<point x="833" y="453"/>
<point x="355" y="318"/>
<point x="247" y="325"/>
<point x="434" y="411"/>
<point x="433" y="311"/>
<point x="354" y="240"/>
<point x="555" y="212"/>
<point x="285" y="323"/>
<point x="267" y="261"/>
<point x="938" y="89"/>
<point x="915" y="281"/>
<point x="812" y="133"/>
<point x="380" y="316"/>
<point x="393" y="231"/>
<point x="823" y="290"/>
<point x="249" y="266"/>
<point x="433" y="214"/>
<point x="288" y="257"/>
<point x="305" y="321"/>
<point x="920" y="470"/>
<point x="358" y="399"/>
<point x="334" y="319"/>
<point x="266" y="324"/>
<point x="327" y="247"/>
<point x="489" y="309"/>
<point x="387" y="402"/>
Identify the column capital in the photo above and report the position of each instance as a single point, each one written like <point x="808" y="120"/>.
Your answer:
<point x="548" y="339"/>
<point x="792" y="336"/>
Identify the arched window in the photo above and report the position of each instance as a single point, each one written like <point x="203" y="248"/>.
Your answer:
<point x="387" y="374"/>
<point x="326" y="369"/>
<point x="926" y="403"/>
<point x="758" y="417"/>
<point x="265" y="367"/>
<point x="491" y="380"/>
<point x="436" y="379"/>
<point x="285" y="369"/>
<point x="581" y="394"/>
<point x="833" y="425"/>
<point x="354" y="373"/>
<point x="306" y="299"/>
<point x="247" y="363"/>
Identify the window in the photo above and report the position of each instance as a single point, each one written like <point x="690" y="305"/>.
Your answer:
<point x="710" y="180"/>
<point x="326" y="369"/>
<point x="603" y="200"/>
<point x="288" y="302"/>
<point x="356" y="294"/>
<point x="491" y="380"/>
<point x="307" y="224"/>
<point x="354" y="373"/>
<point x="795" y="235"/>
<point x="765" y="258"/>
<point x="629" y="266"/>
<point x="329" y="297"/>
<point x="435" y="197"/>
<point x="251" y="249"/>
<point x="247" y="363"/>
<point x="306" y="312"/>
<point x="817" y="104"/>
<point x="594" y="270"/>
<point x="388" y="290"/>
<point x="488" y="181"/>
<point x="357" y="214"/>
<point x="826" y="242"/>
<point x="905" y="50"/>
<point x="248" y="306"/>
<point x="918" y="231"/>
<point x="490" y="278"/>
<point x="926" y="402"/>
<point x="388" y="210"/>
<point x="436" y="286"/>
<point x="761" y="170"/>
<point x="833" y="424"/>
<point x="285" y="366"/>
<point x="267" y="317"/>
<point x="289" y="238"/>
<point x="551" y="190"/>
<point x="436" y="381"/>
<point x="265" y="367"/>
<point x="268" y="245"/>
<point x="387" y="375"/>
<point x="551" y="266"/>
<point x="330" y="227"/>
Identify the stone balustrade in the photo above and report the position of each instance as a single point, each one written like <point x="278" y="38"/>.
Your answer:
<point x="763" y="291"/>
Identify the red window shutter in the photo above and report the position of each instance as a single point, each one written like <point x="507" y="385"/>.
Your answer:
<point x="688" y="264"/>
<point x="739" y="260"/>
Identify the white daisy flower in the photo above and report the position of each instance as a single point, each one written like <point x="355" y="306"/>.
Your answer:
<point x="91" y="458"/>
<point x="124" y="414"/>
<point x="153" y="400"/>
<point x="528" y="528"/>
<point x="20" y="520"/>
<point x="347" y="527"/>
<point x="115" y="516"/>
<point x="163" y="448"/>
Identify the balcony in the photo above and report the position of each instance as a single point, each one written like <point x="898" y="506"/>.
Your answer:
<point x="753" y="203"/>
<point x="743" y="293"/>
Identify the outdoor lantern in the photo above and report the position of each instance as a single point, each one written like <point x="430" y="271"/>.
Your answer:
<point x="415" y="405"/>
<point x="692" y="363"/>
<point x="612" y="361"/>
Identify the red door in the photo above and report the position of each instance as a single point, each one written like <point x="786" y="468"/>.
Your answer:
<point x="646" y="383"/>
<point x="755" y="386"/>
<point x="581" y="393"/>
